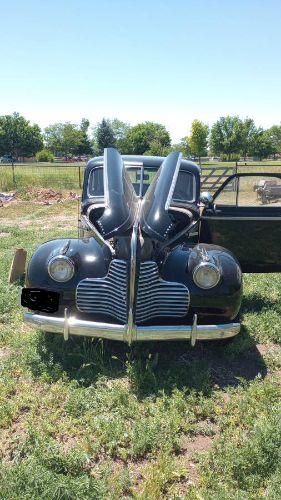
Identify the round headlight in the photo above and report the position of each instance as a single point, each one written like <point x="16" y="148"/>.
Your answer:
<point x="61" y="268"/>
<point x="206" y="275"/>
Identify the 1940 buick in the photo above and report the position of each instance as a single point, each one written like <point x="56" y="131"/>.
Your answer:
<point x="155" y="259"/>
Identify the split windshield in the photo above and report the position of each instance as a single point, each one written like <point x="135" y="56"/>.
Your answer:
<point x="184" y="190"/>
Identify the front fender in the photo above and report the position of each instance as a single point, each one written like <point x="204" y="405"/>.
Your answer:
<point x="90" y="259"/>
<point x="216" y="304"/>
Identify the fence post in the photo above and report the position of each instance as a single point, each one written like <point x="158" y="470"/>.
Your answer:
<point x="13" y="172"/>
<point x="79" y="174"/>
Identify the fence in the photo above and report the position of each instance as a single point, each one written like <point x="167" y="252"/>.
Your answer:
<point x="65" y="176"/>
<point x="214" y="175"/>
<point x="55" y="176"/>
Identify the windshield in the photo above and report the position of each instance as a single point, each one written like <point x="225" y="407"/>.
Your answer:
<point x="184" y="189"/>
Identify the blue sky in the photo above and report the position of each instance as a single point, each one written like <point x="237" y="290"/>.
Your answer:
<point x="168" y="61"/>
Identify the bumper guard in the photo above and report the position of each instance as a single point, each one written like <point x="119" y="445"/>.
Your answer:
<point x="70" y="325"/>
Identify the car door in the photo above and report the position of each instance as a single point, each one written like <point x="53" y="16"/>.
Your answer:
<point x="245" y="218"/>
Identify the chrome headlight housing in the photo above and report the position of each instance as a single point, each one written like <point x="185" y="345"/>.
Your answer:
<point x="206" y="275"/>
<point x="60" y="268"/>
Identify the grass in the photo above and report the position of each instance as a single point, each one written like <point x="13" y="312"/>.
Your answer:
<point x="50" y="175"/>
<point x="97" y="420"/>
<point x="62" y="176"/>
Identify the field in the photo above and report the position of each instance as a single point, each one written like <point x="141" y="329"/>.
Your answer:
<point x="70" y="176"/>
<point x="51" y="175"/>
<point x="91" y="419"/>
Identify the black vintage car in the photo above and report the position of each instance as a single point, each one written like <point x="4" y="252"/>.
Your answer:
<point x="268" y="191"/>
<point x="154" y="259"/>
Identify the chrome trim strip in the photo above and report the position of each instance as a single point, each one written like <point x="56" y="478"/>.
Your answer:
<point x="105" y="177"/>
<point x="131" y="327"/>
<point x="173" y="183"/>
<point x="98" y="237"/>
<point x="66" y="325"/>
<point x="193" y="335"/>
<point x="118" y="332"/>
<point x="240" y="218"/>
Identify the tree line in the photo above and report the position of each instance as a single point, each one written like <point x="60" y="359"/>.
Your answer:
<point x="229" y="138"/>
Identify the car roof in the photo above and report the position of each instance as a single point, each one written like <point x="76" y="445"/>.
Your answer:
<point x="147" y="161"/>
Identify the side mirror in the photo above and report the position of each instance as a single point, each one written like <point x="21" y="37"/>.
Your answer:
<point x="206" y="198"/>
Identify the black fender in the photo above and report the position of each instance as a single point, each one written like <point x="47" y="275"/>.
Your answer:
<point x="221" y="303"/>
<point x="91" y="260"/>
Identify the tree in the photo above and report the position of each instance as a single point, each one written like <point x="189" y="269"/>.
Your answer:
<point x="198" y="140"/>
<point x="85" y="146"/>
<point x="67" y="138"/>
<point x="18" y="137"/>
<point x="248" y="134"/>
<point x="120" y="131"/>
<point x="261" y="145"/>
<point x="274" y="134"/>
<point x="157" y="149"/>
<point x="226" y="136"/>
<point x="140" y="137"/>
<point x="103" y="137"/>
<point x="182" y="146"/>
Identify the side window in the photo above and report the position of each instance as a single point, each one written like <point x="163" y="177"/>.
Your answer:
<point x="254" y="191"/>
<point x="96" y="187"/>
<point x="259" y="191"/>
<point x="228" y="196"/>
<point x="185" y="187"/>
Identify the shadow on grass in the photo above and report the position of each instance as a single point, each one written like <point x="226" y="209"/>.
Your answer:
<point x="153" y="366"/>
<point x="256" y="303"/>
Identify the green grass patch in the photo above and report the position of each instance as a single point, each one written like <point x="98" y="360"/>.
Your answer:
<point x="96" y="419"/>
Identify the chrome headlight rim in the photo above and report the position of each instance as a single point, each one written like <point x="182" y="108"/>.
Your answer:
<point x="208" y="265"/>
<point x="64" y="259"/>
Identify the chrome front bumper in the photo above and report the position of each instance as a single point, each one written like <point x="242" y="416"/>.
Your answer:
<point x="69" y="325"/>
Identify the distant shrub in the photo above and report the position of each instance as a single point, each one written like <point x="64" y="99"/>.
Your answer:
<point x="45" y="155"/>
<point x="231" y="157"/>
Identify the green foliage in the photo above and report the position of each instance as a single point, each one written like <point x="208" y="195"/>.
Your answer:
<point x="182" y="146"/>
<point x="103" y="137"/>
<point x="248" y="134"/>
<point x="143" y="136"/>
<point x="45" y="156"/>
<point x="68" y="138"/>
<point x="230" y="157"/>
<point x="226" y="136"/>
<point x="157" y="149"/>
<point x="198" y="140"/>
<point x="120" y="130"/>
<point x="18" y="137"/>
<point x="261" y="145"/>
<point x="274" y="135"/>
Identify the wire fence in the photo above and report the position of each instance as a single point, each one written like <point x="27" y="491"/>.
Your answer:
<point x="55" y="176"/>
<point x="65" y="176"/>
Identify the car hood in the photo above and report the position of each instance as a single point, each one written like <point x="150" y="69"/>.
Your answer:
<point x="155" y="219"/>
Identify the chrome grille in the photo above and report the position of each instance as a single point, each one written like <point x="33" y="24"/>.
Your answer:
<point x="159" y="298"/>
<point x="106" y="295"/>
